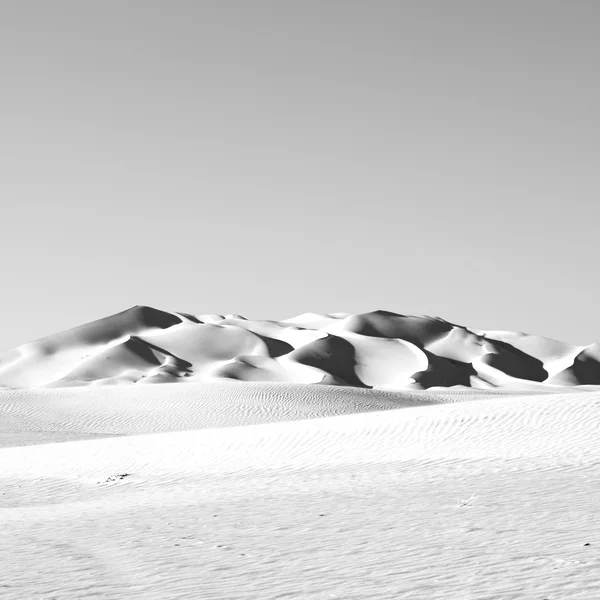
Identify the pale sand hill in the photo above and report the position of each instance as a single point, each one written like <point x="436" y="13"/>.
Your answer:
<point x="305" y="478"/>
<point x="379" y="350"/>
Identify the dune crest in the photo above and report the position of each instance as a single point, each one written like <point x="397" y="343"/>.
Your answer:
<point x="379" y="349"/>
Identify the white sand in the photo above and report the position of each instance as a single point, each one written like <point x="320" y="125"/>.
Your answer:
<point x="364" y="505"/>
<point x="218" y="489"/>
<point x="378" y="349"/>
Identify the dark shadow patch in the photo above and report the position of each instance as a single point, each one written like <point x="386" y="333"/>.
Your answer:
<point x="515" y="362"/>
<point x="129" y="322"/>
<point x="151" y="317"/>
<point x="586" y="366"/>
<point x="445" y="372"/>
<point x="275" y="347"/>
<point x="179" y="361"/>
<point x="333" y="355"/>
<point x="191" y="318"/>
<point x="180" y="366"/>
<point x="142" y="350"/>
<point x="419" y="331"/>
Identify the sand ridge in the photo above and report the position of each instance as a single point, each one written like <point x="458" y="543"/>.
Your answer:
<point x="380" y="349"/>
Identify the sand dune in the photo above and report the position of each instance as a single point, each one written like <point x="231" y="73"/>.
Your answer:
<point x="320" y="457"/>
<point x="376" y="350"/>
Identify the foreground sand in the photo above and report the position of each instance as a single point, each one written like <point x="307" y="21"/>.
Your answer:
<point x="328" y="493"/>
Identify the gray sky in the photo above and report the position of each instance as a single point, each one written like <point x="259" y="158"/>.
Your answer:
<point x="271" y="158"/>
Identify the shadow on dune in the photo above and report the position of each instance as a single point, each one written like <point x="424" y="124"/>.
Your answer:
<point x="585" y="369"/>
<point x="129" y="322"/>
<point x="515" y="363"/>
<point x="179" y="362"/>
<point x="275" y="347"/>
<point x="134" y="354"/>
<point x="333" y="355"/>
<point x="444" y="372"/>
<point x="419" y="331"/>
<point x="192" y="318"/>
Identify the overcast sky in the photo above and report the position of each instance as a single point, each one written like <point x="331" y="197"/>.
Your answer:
<point x="272" y="158"/>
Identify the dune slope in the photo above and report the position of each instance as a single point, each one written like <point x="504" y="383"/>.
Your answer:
<point x="375" y="350"/>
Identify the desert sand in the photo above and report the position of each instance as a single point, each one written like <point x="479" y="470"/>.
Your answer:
<point x="325" y="456"/>
<point x="380" y="350"/>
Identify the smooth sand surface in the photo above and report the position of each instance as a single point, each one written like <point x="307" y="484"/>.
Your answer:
<point x="277" y="491"/>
